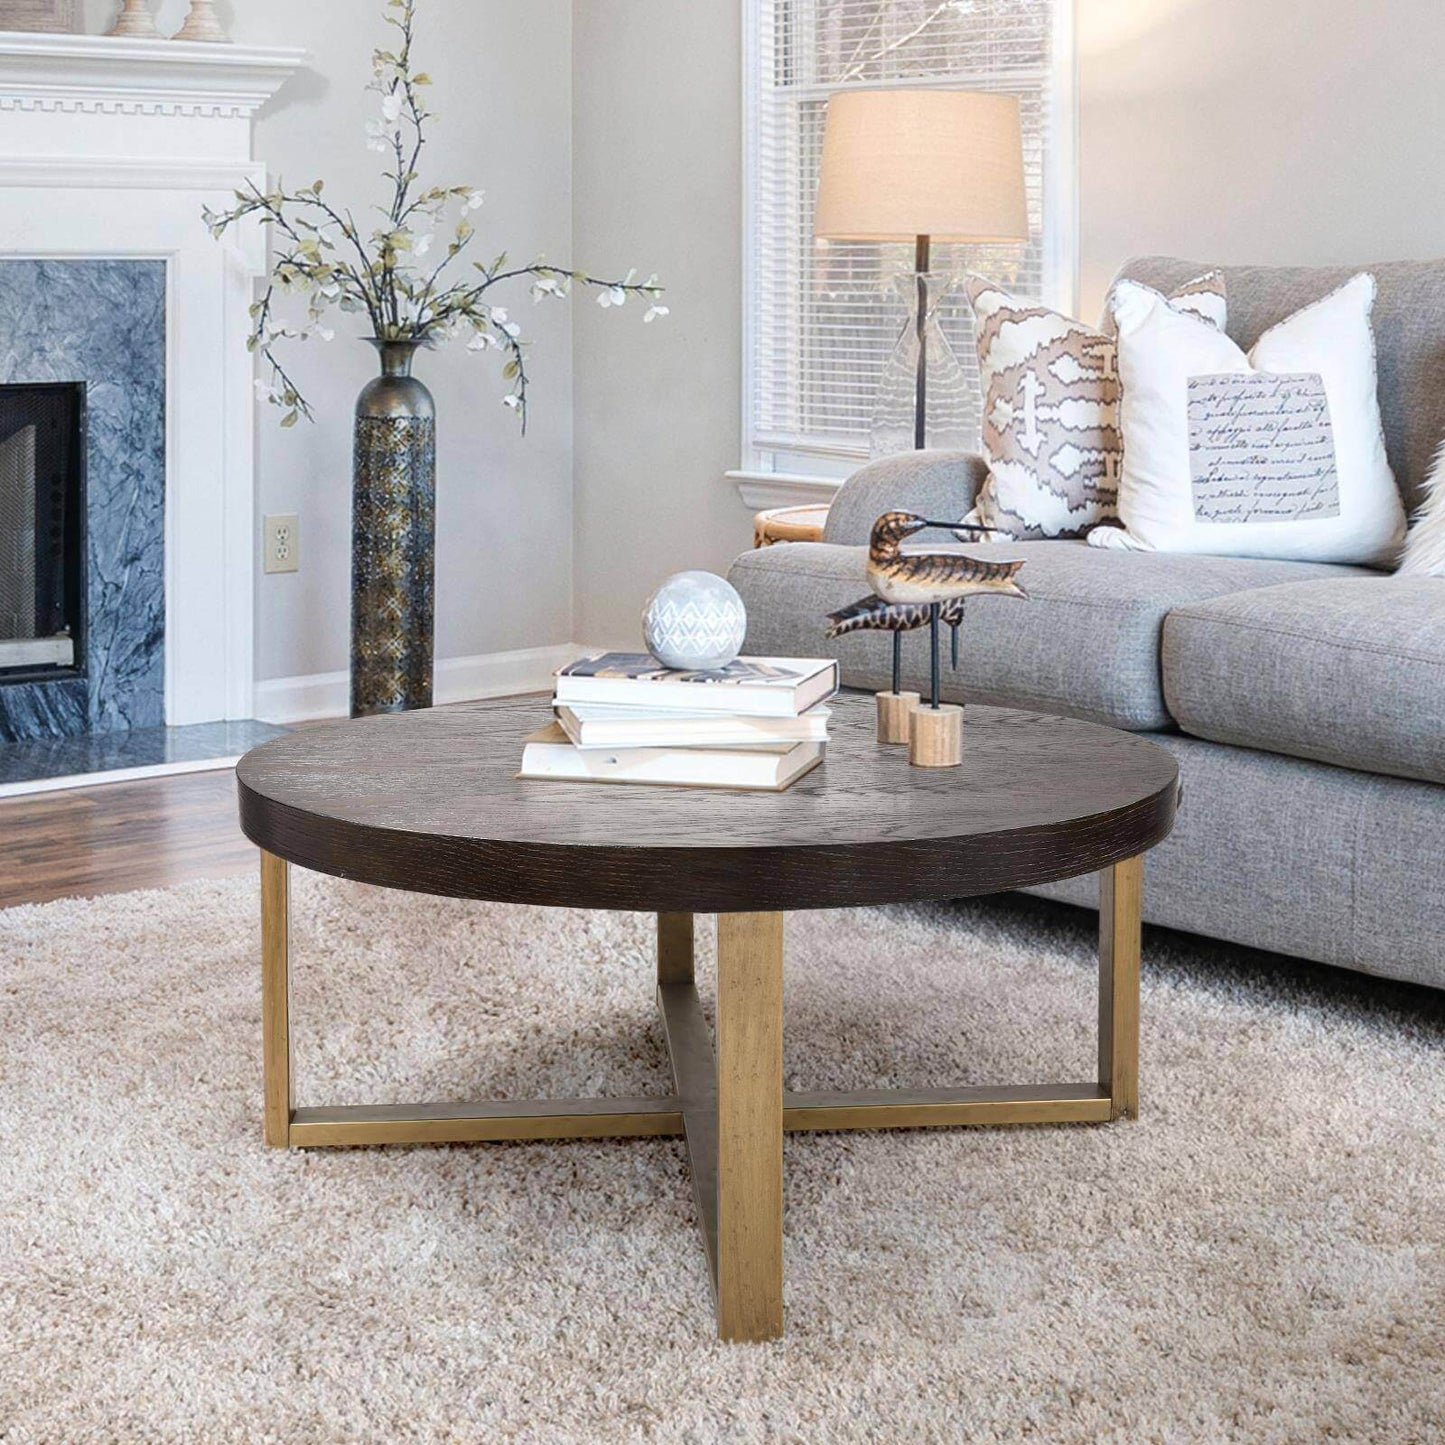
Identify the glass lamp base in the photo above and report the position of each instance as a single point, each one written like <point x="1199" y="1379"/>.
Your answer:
<point x="950" y="406"/>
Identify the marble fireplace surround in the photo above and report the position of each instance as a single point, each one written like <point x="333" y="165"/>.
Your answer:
<point x="109" y="149"/>
<point x="102" y="323"/>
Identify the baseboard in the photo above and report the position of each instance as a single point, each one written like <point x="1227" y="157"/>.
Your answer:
<point x="458" y="679"/>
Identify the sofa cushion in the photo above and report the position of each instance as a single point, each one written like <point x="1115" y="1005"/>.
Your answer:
<point x="1277" y="453"/>
<point x="1085" y="644"/>
<point x="1297" y="857"/>
<point x="1346" y="670"/>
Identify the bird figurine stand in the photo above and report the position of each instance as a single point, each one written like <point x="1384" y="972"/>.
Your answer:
<point x="912" y="589"/>
<point x="935" y="731"/>
<point x="895" y="709"/>
<point x="935" y="736"/>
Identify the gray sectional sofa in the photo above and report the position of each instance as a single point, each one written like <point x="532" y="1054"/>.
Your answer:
<point x="1305" y="703"/>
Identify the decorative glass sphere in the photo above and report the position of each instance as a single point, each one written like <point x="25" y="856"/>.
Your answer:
<point x="695" y="621"/>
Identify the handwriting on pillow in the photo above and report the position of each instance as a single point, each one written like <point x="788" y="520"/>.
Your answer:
<point x="1261" y="448"/>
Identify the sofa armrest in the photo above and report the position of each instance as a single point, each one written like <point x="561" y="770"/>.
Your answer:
<point x="938" y="484"/>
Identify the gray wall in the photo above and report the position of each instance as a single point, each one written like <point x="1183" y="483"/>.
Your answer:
<point x="503" y="98"/>
<point x="609" y="130"/>
<point x="657" y="181"/>
<point x="1259" y="130"/>
<point x="502" y="95"/>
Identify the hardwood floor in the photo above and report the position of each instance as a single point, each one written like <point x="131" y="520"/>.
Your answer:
<point x="123" y="836"/>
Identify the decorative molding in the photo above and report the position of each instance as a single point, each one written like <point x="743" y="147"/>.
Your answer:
<point x="760" y="490"/>
<point x="113" y="105"/>
<point x="181" y="174"/>
<point x="116" y="75"/>
<point x="457" y="679"/>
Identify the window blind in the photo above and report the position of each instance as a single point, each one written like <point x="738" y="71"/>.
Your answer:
<point x="824" y="317"/>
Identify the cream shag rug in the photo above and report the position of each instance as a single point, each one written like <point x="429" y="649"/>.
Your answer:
<point x="1259" y="1258"/>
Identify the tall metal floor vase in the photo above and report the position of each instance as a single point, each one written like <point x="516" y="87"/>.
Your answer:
<point x="393" y="539"/>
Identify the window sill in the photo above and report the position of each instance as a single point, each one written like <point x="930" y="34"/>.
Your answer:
<point x="760" y="490"/>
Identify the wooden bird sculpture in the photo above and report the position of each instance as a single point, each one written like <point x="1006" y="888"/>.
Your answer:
<point x="899" y="574"/>
<point x="917" y="587"/>
<point x="873" y="614"/>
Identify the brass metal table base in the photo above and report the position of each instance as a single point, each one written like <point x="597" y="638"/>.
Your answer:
<point x="731" y="1106"/>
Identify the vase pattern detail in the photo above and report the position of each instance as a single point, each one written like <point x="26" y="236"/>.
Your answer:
<point x="393" y="585"/>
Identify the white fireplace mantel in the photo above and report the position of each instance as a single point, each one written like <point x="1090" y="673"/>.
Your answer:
<point x="109" y="148"/>
<point x="123" y="74"/>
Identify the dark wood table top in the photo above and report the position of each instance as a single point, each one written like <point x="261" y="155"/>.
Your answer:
<point x="430" y="802"/>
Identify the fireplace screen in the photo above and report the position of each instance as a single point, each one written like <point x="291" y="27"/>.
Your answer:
<point x="41" y="522"/>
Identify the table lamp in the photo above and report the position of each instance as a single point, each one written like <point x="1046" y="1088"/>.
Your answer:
<point x="920" y="166"/>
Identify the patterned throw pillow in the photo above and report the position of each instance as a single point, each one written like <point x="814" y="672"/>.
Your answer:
<point x="1050" y="390"/>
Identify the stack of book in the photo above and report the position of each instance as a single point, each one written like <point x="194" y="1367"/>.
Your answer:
<point x="621" y="717"/>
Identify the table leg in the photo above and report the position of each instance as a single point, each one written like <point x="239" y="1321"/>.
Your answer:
<point x="276" y="997"/>
<point x="750" y="1126"/>
<point x="1121" y="901"/>
<point x="674" y="948"/>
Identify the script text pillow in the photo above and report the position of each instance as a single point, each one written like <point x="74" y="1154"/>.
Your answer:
<point x="1276" y="454"/>
<point x="1050" y="391"/>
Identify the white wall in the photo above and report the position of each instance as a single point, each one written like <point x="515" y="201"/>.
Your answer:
<point x="1229" y="130"/>
<point x="656" y="183"/>
<point x="609" y="130"/>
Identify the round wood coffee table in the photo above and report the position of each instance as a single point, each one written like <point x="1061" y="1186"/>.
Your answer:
<point x="430" y="802"/>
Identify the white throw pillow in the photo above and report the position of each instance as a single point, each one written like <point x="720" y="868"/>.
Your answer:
<point x="1276" y="454"/>
<point x="1425" y="544"/>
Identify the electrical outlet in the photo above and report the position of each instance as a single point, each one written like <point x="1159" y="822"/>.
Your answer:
<point x="281" y="535"/>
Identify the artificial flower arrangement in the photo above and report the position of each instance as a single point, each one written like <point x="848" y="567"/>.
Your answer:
<point x="393" y="272"/>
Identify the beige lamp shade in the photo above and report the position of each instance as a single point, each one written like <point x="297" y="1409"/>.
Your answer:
<point x="903" y="163"/>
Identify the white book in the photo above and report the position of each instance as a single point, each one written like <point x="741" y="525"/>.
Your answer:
<point x="600" y="725"/>
<point x="747" y="686"/>
<point x="549" y="754"/>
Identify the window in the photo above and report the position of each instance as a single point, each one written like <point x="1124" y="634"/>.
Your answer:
<point x="822" y="318"/>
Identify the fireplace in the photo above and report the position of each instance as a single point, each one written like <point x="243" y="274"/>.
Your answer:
<point x="83" y="482"/>
<point x="114" y="295"/>
<point x="42" y="531"/>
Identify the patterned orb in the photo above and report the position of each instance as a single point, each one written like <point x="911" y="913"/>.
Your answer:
<point x="695" y="620"/>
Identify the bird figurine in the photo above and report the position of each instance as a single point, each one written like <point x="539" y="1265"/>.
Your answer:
<point x="899" y="574"/>
<point x="873" y="614"/>
<point x="914" y="587"/>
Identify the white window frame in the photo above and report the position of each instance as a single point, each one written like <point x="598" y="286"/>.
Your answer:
<point x="761" y="486"/>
